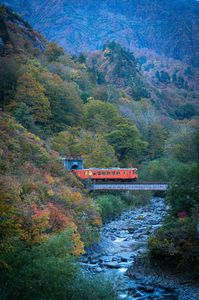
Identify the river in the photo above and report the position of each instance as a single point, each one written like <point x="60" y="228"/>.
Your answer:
<point x="123" y="240"/>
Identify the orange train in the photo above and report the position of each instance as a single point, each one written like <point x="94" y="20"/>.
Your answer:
<point x="106" y="175"/>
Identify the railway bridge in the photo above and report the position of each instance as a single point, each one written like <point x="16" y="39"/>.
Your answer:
<point x="141" y="186"/>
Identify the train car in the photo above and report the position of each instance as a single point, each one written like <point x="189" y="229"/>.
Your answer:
<point x="107" y="175"/>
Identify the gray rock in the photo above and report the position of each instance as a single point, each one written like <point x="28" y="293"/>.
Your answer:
<point x="105" y="259"/>
<point x="138" y="245"/>
<point x="124" y="259"/>
<point x="131" y="229"/>
<point x="137" y="235"/>
<point x="93" y="262"/>
<point x="98" y="269"/>
<point x="147" y="288"/>
<point x="112" y="265"/>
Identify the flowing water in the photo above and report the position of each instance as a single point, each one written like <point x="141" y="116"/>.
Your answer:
<point x="124" y="239"/>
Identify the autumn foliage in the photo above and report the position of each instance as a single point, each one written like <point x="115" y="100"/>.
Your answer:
<point x="37" y="200"/>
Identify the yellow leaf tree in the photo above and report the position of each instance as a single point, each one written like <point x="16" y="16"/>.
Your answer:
<point x="32" y="93"/>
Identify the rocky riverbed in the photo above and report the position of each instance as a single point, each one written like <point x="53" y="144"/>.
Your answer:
<point x="117" y="255"/>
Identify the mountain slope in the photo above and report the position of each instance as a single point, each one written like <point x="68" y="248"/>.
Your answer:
<point x="120" y="68"/>
<point x="169" y="28"/>
<point x="17" y="36"/>
<point x="110" y="74"/>
<point x="171" y="85"/>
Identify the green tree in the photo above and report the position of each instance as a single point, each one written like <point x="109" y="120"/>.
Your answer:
<point x="175" y="244"/>
<point x="42" y="271"/>
<point x="186" y="111"/>
<point x="156" y="138"/>
<point x="182" y="144"/>
<point x="66" y="104"/>
<point x="32" y="93"/>
<point x="92" y="147"/>
<point x="163" y="77"/>
<point x="162" y="169"/>
<point x="97" y="152"/>
<point x="106" y="93"/>
<point x="53" y="52"/>
<point x="143" y="115"/>
<point x="183" y="193"/>
<point x="23" y="115"/>
<point x="109" y="206"/>
<point x="9" y="198"/>
<point x="154" y="171"/>
<point x="81" y="58"/>
<point x="33" y="67"/>
<point x="127" y="143"/>
<point x="100" y="116"/>
<point x="8" y="77"/>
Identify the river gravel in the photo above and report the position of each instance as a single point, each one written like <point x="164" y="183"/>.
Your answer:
<point x="118" y="256"/>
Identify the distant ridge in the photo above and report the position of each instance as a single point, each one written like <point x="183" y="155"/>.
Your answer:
<point x="168" y="27"/>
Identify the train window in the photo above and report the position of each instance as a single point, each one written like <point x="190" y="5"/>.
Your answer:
<point x="124" y="172"/>
<point x="94" y="173"/>
<point x="113" y="173"/>
<point x="108" y="173"/>
<point x="90" y="173"/>
<point x="117" y="173"/>
<point x="103" y="173"/>
<point x="99" y="173"/>
<point x="86" y="173"/>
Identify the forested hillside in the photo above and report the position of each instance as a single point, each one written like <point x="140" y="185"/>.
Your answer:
<point x="163" y="36"/>
<point x="168" y="28"/>
<point x="99" y="106"/>
<point x="47" y="218"/>
<point x="170" y="86"/>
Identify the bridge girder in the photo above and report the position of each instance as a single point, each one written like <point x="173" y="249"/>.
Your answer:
<point x="130" y="187"/>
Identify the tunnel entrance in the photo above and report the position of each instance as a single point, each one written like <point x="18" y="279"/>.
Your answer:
<point x="74" y="166"/>
<point x="73" y="163"/>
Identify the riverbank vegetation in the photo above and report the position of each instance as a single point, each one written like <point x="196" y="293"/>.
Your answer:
<point x="176" y="242"/>
<point x="112" y="204"/>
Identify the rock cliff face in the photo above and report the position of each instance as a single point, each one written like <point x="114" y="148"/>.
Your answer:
<point x="169" y="28"/>
<point x="17" y="36"/>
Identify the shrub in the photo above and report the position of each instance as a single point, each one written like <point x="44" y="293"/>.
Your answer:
<point x="183" y="193"/>
<point x="176" y="243"/>
<point x="48" y="271"/>
<point x="109" y="206"/>
<point x="40" y="272"/>
<point x="159" y="170"/>
<point x="87" y="287"/>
